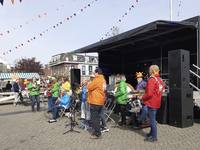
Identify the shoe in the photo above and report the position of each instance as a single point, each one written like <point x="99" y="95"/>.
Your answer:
<point x="121" y="124"/>
<point x="148" y="135"/>
<point x="52" y="120"/>
<point x="95" y="137"/>
<point x="81" y="118"/>
<point x="33" y="111"/>
<point x="49" y="111"/>
<point x="104" y="129"/>
<point x="150" y="139"/>
<point x="38" y="111"/>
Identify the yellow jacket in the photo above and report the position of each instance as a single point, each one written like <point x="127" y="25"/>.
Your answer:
<point x="67" y="86"/>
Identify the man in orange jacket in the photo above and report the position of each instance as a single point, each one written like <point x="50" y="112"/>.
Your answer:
<point x="96" y="98"/>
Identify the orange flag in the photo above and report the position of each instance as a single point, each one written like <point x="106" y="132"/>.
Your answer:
<point x="12" y="2"/>
<point x="70" y="16"/>
<point x="45" y="13"/>
<point x="39" y="16"/>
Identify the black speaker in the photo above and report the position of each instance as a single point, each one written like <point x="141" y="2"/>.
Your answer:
<point x="75" y="76"/>
<point x="178" y="63"/>
<point x="181" y="107"/>
<point x="162" y="115"/>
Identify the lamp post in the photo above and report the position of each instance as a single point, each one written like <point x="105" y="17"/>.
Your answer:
<point x="170" y="1"/>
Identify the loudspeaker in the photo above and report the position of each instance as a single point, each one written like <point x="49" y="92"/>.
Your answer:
<point x="162" y="115"/>
<point x="181" y="107"/>
<point x="178" y="63"/>
<point x="75" y="76"/>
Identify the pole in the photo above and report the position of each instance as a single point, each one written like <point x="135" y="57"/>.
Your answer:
<point x="170" y="1"/>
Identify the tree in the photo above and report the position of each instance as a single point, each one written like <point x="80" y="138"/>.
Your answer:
<point x="115" y="31"/>
<point x="28" y="65"/>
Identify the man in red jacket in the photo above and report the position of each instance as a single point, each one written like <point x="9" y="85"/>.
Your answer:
<point x="152" y="98"/>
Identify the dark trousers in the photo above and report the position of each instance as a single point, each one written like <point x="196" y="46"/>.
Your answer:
<point x="95" y="111"/>
<point x="123" y="109"/>
<point x="37" y="98"/>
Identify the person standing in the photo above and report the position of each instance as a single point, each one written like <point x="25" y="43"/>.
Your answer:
<point x="152" y="98"/>
<point x="49" y="95"/>
<point x="120" y="96"/>
<point x="66" y="85"/>
<point x="8" y="86"/>
<point x="34" y="94"/>
<point x="54" y="92"/>
<point x="16" y="91"/>
<point x="96" y="98"/>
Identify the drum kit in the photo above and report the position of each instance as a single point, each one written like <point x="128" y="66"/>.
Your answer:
<point x="136" y="104"/>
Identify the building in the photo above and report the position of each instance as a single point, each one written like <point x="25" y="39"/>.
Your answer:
<point x="61" y="64"/>
<point x="47" y="70"/>
<point x="4" y="66"/>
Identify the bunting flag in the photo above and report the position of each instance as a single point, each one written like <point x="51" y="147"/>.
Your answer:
<point x="35" y="37"/>
<point x="1" y="1"/>
<point x="39" y="16"/>
<point x="179" y="11"/>
<point x="120" y="20"/>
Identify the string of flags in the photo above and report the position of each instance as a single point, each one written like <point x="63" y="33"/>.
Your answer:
<point x="120" y="20"/>
<point x="26" y="23"/>
<point x="179" y="10"/>
<point x="53" y="27"/>
<point x="12" y="1"/>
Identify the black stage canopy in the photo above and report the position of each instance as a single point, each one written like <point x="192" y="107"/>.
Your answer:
<point x="137" y="49"/>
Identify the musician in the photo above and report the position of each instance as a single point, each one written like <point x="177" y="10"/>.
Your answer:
<point x="144" y="110"/>
<point x="49" y="95"/>
<point x="120" y="95"/>
<point x="64" y="101"/>
<point x="152" y="98"/>
<point x="96" y="98"/>
<point x="55" y="92"/>
<point x="34" y="94"/>
<point x="66" y="85"/>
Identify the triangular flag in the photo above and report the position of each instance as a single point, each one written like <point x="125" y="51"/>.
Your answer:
<point x="120" y="20"/>
<point x="39" y="16"/>
<point x="60" y="22"/>
<point x="8" y="31"/>
<point x="43" y="31"/>
<point x="1" y="34"/>
<point x="70" y="16"/>
<point x="89" y="5"/>
<point x="33" y="38"/>
<point x="129" y="8"/>
<point x="133" y="6"/>
<point x="123" y="16"/>
<point x="125" y="13"/>
<point x="20" y="1"/>
<point x="16" y="47"/>
<point x="82" y="10"/>
<point x="12" y="2"/>
<point x="105" y="34"/>
<point x="67" y="18"/>
<point x="21" y="44"/>
<point x="63" y="5"/>
<point x="20" y="25"/>
<point x="26" y="22"/>
<point x="54" y="26"/>
<point x="57" y="24"/>
<point x="4" y="53"/>
<point x="7" y="52"/>
<point x="78" y="12"/>
<point x="57" y="9"/>
<point x="74" y="14"/>
<point x="45" y="13"/>
<point x="28" y="41"/>
<point x="85" y="7"/>
<point x="40" y="34"/>
<point x="1" y="1"/>
<point x="10" y="50"/>
<point x="136" y="0"/>
<point x="32" y="19"/>
<point x="14" y="28"/>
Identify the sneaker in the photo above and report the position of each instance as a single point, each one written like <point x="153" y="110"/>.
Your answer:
<point x="49" y="111"/>
<point x="104" y="129"/>
<point x="150" y="139"/>
<point x="95" y="137"/>
<point x="148" y="135"/>
<point x="38" y="111"/>
<point x="52" y="120"/>
<point x="33" y="111"/>
<point x="131" y="123"/>
<point x="121" y="124"/>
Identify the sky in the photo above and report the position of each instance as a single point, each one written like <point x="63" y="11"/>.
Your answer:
<point x="85" y="28"/>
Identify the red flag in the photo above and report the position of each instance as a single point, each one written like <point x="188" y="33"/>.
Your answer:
<point x="129" y="8"/>
<point x="20" y="25"/>
<point x="8" y="31"/>
<point x="67" y="18"/>
<point x="28" y="41"/>
<point x="20" y="1"/>
<point x="57" y="24"/>
<point x="12" y="2"/>
<point x="40" y="34"/>
<point x="4" y="53"/>
<point x="123" y="16"/>
<point x="105" y="34"/>
<point x="1" y="34"/>
<point x="85" y="7"/>
<point x="82" y="10"/>
<point x="54" y="26"/>
<point x="16" y="47"/>
<point x="136" y="0"/>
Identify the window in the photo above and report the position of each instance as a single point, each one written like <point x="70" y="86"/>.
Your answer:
<point x="67" y="59"/>
<point x="83" y="72"/>
<point x="74" y="58"/>
<point x="90" y="68"/>
<point x="86" y="59"/>
<point x="83" y="68"/>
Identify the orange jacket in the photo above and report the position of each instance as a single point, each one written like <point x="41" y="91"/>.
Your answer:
<point x="97" y="89"/>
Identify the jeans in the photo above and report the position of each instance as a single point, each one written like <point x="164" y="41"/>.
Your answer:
<point x="50" y="102"/>
<point x="152" y="119"/>
<point x="53" y="101"/>
<point x="85" y="114"/>
<point x="95" y="111"/>
<point x="55" y="110"/>
<point x="103" y="117"/>
<point x="33" y="98"/>
<point x="122" y="107"/>
<point x="143" y="112"/>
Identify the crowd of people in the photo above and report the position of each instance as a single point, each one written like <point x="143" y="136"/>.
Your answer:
<point x="93" y="95"/>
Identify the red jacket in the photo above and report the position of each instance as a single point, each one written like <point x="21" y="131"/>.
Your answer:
<point x="48" y="94"/>
<point x="153" y="92"/>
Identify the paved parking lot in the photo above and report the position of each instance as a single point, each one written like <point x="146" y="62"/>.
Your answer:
<point x="23" y="130"/>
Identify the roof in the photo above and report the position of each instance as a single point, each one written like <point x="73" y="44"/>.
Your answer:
<point x="21" y="75"/>
<point x="145" y="35"/>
